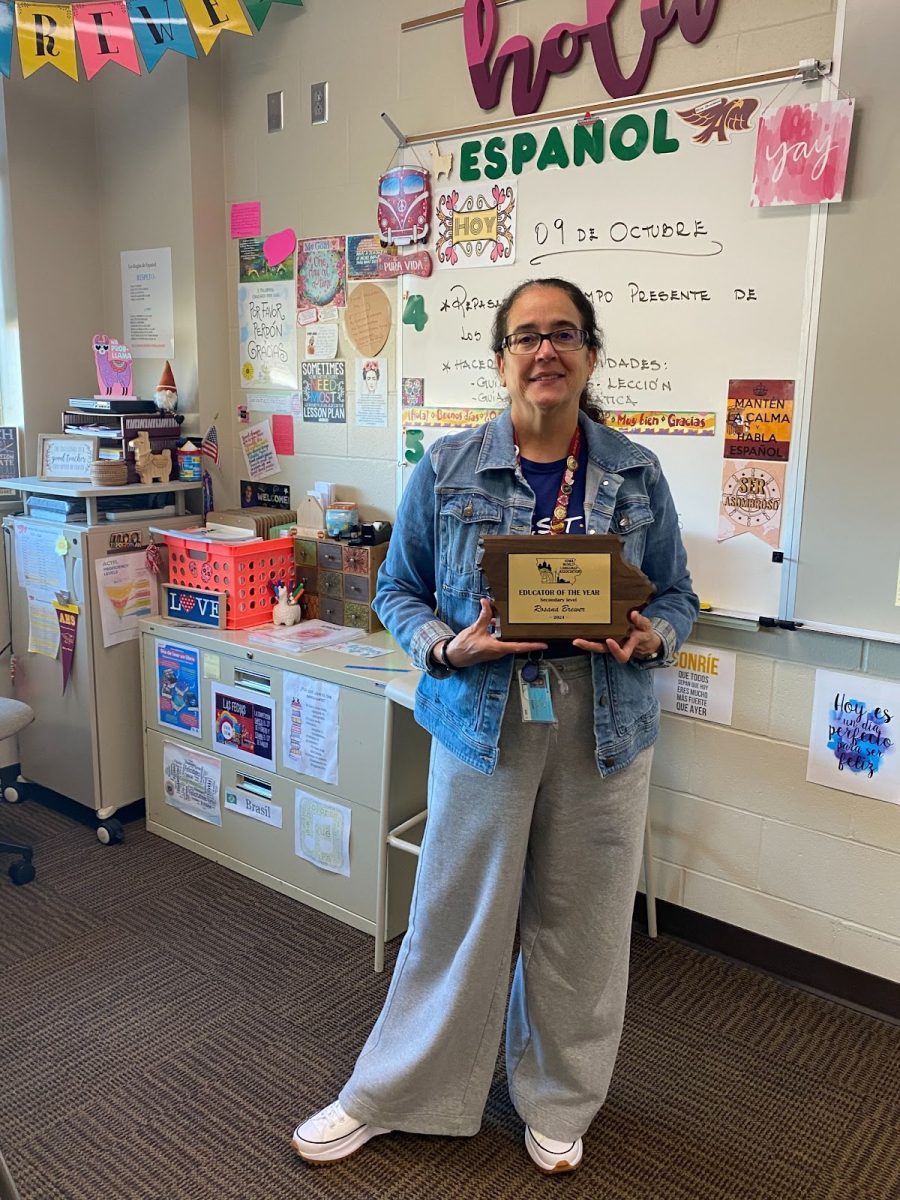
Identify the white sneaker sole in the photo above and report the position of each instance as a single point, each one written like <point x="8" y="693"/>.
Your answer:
<point x="538" y="1156"/>
<point x="326" y="1152"/>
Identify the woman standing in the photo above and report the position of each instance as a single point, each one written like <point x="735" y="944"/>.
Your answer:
<point x="540" y="820"/>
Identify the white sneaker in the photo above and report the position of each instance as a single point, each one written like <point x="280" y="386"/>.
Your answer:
<point x="551" y="1156"/>
<point x="331" y="1134"/>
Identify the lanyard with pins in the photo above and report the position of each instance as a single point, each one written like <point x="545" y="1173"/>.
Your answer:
<point x="557" y="523"/>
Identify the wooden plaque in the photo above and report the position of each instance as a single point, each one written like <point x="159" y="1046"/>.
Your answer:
<point x="195" y="606"/>
<point x="563" y="587"/>
<point x="67" y="457"/>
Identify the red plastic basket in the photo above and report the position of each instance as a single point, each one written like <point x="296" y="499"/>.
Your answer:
<point x="243" y="573"/>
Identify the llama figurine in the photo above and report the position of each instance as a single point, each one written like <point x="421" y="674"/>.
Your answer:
<point x="149" y="466"/>
<point x="287" y="610"/>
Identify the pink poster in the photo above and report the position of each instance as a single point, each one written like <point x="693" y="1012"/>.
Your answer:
<point x="246" y="221"/>
<point x="801" y="154"/>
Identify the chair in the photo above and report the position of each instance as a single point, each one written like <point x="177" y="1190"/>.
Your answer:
<point x="14" y="715"/>
<point x="8" y="1189"/>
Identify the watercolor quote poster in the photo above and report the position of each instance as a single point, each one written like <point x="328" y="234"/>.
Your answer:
<point x="801" y="153"/>
<point x="321" y="273"/>
<point x="853" y="735"/>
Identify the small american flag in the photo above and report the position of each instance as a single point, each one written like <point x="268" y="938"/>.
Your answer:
<point x="210" y="444"/>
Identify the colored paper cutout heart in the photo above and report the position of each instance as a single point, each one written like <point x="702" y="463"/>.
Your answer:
<point x="278" y="246"/>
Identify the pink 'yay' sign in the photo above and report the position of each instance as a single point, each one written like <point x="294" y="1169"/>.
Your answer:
<point x="801" y="154"/>
<point x="562" y="46"/>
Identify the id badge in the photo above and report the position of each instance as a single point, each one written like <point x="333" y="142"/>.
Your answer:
<point x="537" y="702"/>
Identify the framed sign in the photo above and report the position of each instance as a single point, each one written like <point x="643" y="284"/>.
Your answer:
<point x="66" y="457"/>
<point x="9" y="456"/>
<point x="195" y="606"/>
<point x="548" y="586"/>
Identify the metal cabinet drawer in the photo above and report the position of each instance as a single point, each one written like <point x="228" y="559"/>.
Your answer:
<point x="257" y="847"/>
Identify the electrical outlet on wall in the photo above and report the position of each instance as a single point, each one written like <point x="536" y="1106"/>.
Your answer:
<point x="318" y="101"/>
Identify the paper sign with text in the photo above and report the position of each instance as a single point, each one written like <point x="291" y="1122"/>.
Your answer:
<point x="802" y="152"/>
<point x="853" y="735"/>
<point x="243" y="725"/>
<point x="700" y="684"/>
<point x="255" y="807"/>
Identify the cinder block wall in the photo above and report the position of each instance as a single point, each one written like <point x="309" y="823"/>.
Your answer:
<point x="738" y="833"/>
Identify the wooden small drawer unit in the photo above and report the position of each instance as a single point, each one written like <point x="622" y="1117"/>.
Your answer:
<point x="339" y="581"/>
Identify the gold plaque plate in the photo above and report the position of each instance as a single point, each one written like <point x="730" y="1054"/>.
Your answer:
<point x="562" y="587"/>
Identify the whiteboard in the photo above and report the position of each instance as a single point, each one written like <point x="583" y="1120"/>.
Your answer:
<point x="692" y="286"/>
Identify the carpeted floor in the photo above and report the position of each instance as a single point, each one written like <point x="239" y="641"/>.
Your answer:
<point x="166" y="1022"/>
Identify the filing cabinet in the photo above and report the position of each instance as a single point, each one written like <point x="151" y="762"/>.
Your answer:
<point x="381" y="771"/>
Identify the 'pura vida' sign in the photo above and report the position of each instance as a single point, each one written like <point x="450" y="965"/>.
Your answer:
<point x="562" y="46"/>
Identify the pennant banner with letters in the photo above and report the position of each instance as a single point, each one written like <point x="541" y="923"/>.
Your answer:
<point x="114" y="31"/>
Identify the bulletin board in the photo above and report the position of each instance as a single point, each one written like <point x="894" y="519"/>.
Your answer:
<point x="698" y="295"/>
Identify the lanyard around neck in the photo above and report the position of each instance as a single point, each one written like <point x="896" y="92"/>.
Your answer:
<point x="561" y="507"/>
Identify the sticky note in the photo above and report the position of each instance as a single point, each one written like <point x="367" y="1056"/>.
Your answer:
<point x="246" y="219"/>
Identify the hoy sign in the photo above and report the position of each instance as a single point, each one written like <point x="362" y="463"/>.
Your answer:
<point x="561" y="49"/>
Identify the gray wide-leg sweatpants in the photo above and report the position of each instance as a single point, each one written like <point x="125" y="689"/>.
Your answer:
<point x="546" y="835"/>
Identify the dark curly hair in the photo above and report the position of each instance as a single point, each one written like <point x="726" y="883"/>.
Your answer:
<point x="588" y="318"/>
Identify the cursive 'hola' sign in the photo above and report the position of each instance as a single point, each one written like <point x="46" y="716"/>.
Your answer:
<point x="562" y="46"/>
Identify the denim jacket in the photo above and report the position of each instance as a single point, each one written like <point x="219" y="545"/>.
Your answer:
<point x="430" y="583"/>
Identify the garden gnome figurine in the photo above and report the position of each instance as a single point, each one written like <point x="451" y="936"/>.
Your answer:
<point x="166" y="396"/>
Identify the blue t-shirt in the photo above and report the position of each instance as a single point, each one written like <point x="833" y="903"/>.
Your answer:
<point x="544" y="479"/>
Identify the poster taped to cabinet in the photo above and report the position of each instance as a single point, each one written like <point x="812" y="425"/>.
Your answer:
<point x="243" y="725"/>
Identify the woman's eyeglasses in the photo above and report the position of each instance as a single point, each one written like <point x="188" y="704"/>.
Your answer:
<point x="559" y="339"/>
